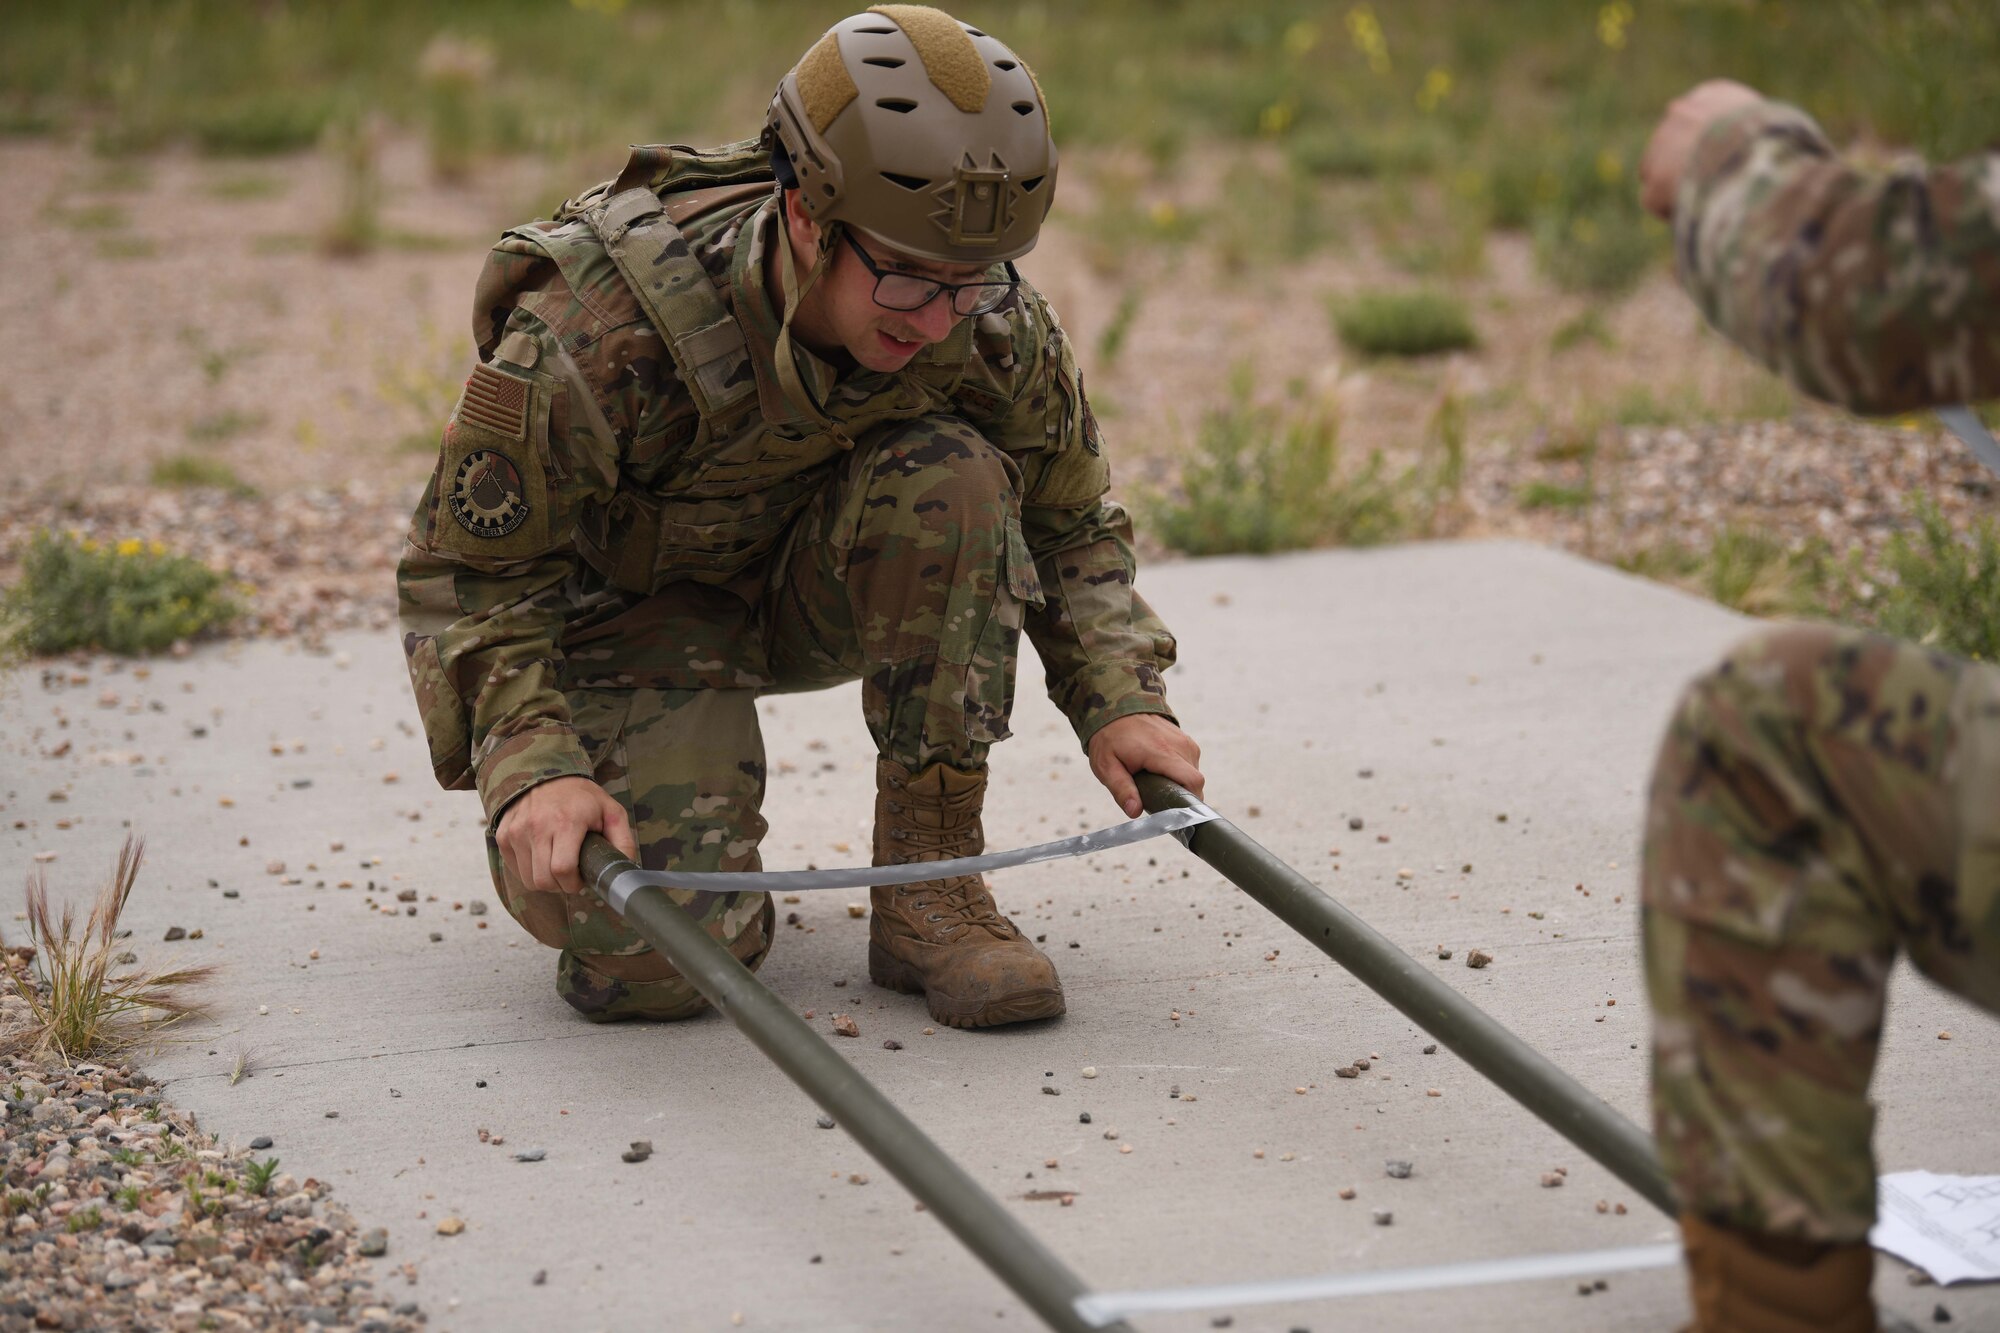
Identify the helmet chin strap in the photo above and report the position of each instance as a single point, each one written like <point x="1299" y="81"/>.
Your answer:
<point x="795" y="294"/>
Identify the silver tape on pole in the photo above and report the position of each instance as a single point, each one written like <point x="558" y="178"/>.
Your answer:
<point x="1176" y="822"/>
<point x="1102" y="1309"/>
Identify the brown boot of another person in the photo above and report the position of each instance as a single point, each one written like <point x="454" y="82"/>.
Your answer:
<point x="1747" y="1283"/>
<point x="944" y="937"/>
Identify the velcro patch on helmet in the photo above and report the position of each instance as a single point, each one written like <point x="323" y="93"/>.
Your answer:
<point x="825" y="86"/>
<point x="949" y="56"/>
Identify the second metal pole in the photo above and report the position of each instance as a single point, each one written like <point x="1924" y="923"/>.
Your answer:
<point x="1522" y="1072"/>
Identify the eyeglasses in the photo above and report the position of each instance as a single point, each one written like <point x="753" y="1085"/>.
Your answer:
<point x="907" y="291"/>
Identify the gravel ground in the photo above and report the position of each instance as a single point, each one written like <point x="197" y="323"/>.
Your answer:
<point x="121" y="1213"/>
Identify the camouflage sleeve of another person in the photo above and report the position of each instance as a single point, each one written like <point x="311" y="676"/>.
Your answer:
<point x="1877" y="292"/>
<point x="1102" y="646"/>
<point x="481" y="586"/>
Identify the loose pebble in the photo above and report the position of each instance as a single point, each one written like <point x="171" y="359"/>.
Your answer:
<point x="824" y="1122"/>
<point x="451" y="1226"/>
<point x="530" y="1154"/>
<point x="1397" y="1169"/>
<point x="1383" y="1217"/>
<point x="1090" y="1071"/>
<point x="1478" y="958"/>
<point x="845" y="1026"/>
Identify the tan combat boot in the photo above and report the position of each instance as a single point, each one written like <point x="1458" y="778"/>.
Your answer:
<point x="945" y="938"/>
<point x="1744" y="1283"/>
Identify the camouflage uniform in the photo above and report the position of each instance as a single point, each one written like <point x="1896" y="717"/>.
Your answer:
<point x="621" y="549"/>
<point x="1824" y="799"/>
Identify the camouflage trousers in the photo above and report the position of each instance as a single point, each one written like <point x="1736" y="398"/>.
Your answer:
<point x="908" y="572"/>
<point x="1824" y="800"/>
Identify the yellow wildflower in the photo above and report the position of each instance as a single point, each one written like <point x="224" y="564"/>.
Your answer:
<point x="1366" y="31"/>
<point x="1163" y="214"/>
<point x="1612" y="21"/>
<point x="1301" y="37"/>
<point x="1276" y="118"/>
<point x="156" y="547"/>
<point x="1437" y="87"/>
<point x="131" y="546"/>
<point x="1610" y="167"/>
<point x="90" y="546"/>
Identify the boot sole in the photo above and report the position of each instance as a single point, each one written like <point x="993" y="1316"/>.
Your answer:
<point x="1023" y="1007"/>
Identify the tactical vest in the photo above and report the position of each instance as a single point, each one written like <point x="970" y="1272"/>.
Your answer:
<point x="713" y="510"/>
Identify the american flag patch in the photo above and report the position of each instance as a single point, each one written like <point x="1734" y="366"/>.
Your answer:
<point x="496" y="401"/>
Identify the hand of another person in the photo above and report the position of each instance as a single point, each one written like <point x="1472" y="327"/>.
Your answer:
<point x="1143" y="743"/>
<point x="1671" y="148"/>
<point x="542" y="831"/>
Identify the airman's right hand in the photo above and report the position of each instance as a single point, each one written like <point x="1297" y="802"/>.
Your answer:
<point x="541" y="833"/>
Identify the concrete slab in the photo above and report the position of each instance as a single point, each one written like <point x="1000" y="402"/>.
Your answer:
<point x="1425" y="691"/>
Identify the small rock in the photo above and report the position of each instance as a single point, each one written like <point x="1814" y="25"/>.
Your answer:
<point x="451" y="1226"/>
<point x="857" y="910"/>
<point x="1347" y="1191"/>
<point x="1444" y="954"/>
<point x="1430" y="1048"/>
<point x="1551" y="1180"/>
<point x="1478" y="958"/>
<point x="274" y="867"/>
<point x="824" y="1122"/>
<point x="892" y="1045"/>
<point x="1355" y="823"/>
<point x="1347" y="1071"/>
<point x="437" y="937"/>
<point x="406" y="895"/>
<point x="1939" y="1315"/>
<point x="176" y="933"/>
<point x="375" y="1242"/>
<point x="1049" y="1090"/>
<point x="1383" y="1217"/>
<point x="1397" y="1169"/>
<point x="857" y="1178"/>
<point x="640" y="1150"/>
<point x="845" y="1026"/>
<point x="1090" y="1071"/>
<point x="531" y="1154"/>
<point x="261" y="1142"/>
<point x="477" y="907"/>
<point x="1083" y="1119"/>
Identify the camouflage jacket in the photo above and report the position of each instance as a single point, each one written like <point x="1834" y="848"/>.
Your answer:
<point x="589" y="525"/>
<point x="1880" y="293"/>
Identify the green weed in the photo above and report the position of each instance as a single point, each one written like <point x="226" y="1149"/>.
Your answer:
<point x="247" y="186"/>
<point x="217" y="427"/>
<point x="130" y="1197"/>
<point x="83" y="1009"/>
<point x="356" y="225"/>
<point x="1111" y="342"/>
<point x="1554" y="495"/>
<point x="86" y="1219"/>
<point x="128" y="597"/>
<point x="1267" y="478"/>
<point x="199" y="471"/>
<point x="92" y="217"/>
<point x="1946" y="588"/>
<point x="260" y="1174"/>
<point x="1587" y="325"/>
<point x="1403" y="323"/>
<point x="126" y="247"/>
<point x="261" y="125"/>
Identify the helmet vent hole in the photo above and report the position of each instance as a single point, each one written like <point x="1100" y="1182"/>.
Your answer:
<point x="1004" y="64"/>
<point x="975" y="32"/>
<point x="1033" y="183"/>
<point x="902" y="105"/>
<point x="826" y="188"/>
<point x="911" y="183"/>
<point x="886" y="62"/>
<point x="880" y="32"/>
<point x="1024" y="108"/>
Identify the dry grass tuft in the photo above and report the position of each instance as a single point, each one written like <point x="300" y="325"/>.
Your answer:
<point x="82" y="1009"/>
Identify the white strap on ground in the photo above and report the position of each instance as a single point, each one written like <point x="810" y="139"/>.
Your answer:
<point x="1177" y="822"/>
<point x="1100" y="1309"/>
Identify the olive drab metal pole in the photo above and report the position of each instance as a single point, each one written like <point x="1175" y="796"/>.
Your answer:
<point x="1522" y="1072"/>
<point x="1027" y="1266"/>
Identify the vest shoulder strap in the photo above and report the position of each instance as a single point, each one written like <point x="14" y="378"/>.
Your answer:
<point x="642" y="239"/>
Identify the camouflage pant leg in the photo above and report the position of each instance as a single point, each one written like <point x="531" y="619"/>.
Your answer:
<point x="688" y="766"/>
<point x="911" y="573"/>
<point x="1823" y="799"/>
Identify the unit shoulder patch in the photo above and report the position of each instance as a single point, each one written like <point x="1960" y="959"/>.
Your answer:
<point x="487" y="496"/>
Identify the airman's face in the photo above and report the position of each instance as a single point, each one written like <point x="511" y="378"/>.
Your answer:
<point x="841" y="310"/>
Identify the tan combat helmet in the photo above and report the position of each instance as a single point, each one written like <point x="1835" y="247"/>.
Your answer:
<point x="923" y="131"/>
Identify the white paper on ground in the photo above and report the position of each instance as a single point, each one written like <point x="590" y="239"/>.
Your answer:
<point x="1949" y="1226"/>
